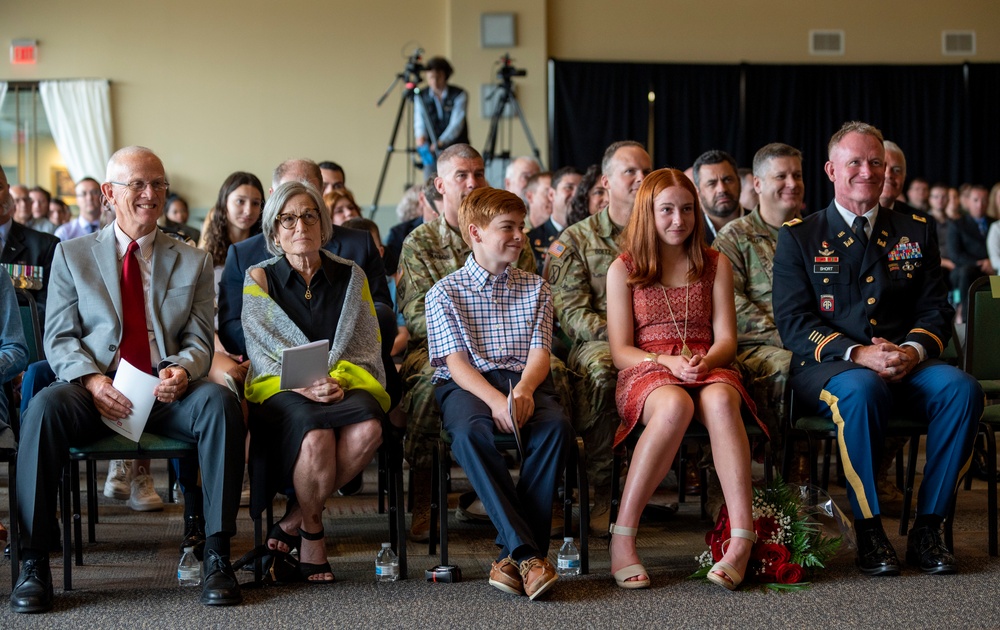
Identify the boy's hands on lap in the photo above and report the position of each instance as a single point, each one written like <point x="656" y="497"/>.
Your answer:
<point x="524" y="404"/>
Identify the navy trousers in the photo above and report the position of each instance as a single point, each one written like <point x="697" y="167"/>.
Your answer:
<point x="522" y="513"/>
<point x="859" y="402"/>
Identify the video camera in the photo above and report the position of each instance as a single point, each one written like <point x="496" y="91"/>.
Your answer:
<point x="413" y="66"/>
<point x="507" y="69"/>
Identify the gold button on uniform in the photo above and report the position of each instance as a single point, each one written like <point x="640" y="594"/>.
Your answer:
<point x="870" y="279"/>
<point x="873" y="322"/>
<point x="871" y="300"/>
<point x="826" y="281"/>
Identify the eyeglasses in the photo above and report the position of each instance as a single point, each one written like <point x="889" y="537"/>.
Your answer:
<point x="288" y="221"/>
<point x="138" y="185"/>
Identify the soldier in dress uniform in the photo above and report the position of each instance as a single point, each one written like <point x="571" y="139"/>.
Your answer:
<point x="860" y="301"/>
<point x="27" y="253"/>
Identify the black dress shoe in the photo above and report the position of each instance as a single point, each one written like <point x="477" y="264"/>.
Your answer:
<point x="875" y="553"/>
<point x="924" y="549"/>
<point x="33" y="591"/>
<point x="219" y="586"/>
<point x="194" y="536"/>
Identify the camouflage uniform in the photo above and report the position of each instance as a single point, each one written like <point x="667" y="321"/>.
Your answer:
<point x="431" y="252"/>
<point x="749" y="243"/>
<point x="577" y="270"/>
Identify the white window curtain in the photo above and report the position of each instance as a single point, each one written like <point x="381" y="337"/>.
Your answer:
<point x="79" y="114"/>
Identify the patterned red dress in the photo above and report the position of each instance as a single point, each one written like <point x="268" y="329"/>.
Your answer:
<point x="655" y="332"/>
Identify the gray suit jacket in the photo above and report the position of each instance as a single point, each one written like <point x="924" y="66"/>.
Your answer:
<point x="83" y="321"/>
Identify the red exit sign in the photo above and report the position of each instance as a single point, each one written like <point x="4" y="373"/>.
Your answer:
<point x="23" y="51"/>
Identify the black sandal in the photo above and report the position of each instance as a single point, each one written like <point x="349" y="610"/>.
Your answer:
<point x="306" y="569"/>
<point x="291" y="541"/>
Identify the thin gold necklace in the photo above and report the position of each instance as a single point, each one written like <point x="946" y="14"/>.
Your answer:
<point x="685" y="351"/>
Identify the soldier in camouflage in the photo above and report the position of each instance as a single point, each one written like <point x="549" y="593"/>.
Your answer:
<point x="578" y="267"/>
<point x="431" y="252"/>
<point x="749" y="243"/>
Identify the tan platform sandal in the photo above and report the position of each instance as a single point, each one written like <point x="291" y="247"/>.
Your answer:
<point x="735" y="579"/>
<point x="633" y="570"/>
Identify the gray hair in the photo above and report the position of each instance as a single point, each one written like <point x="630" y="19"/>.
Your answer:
<point x="115" y="163"/>
<point x="276" y="203"/>
<point x="510" y="167"/>
<point x="771" y="151"/>
<point x="409" y="205"/>
<point x="281" y="171"/>
<point x="889" y="145"/>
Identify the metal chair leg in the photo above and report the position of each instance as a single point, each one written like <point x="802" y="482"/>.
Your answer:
<point x="911" y="473"/>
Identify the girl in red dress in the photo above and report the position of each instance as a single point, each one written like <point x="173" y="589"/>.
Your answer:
<point x="672" y="331"/>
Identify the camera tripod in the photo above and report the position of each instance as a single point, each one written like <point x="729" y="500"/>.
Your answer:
<point x="506" y="96"/>
<point x="410" y="77"/>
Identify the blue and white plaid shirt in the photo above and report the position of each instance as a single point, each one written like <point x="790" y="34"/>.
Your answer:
<point x="495" y="319"/>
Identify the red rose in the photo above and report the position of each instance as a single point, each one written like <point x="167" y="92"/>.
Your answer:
<point x="789" y="573"/>
<point x="766" y="527"/>
<point x="721" y="525"/>
<point x="719" y="543"/>
<point x="771" y="555"/>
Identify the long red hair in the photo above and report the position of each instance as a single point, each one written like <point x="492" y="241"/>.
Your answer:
<point x="642" y="242"/>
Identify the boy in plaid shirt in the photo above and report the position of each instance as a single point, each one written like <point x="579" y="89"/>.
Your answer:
<point x="490" y="324"/>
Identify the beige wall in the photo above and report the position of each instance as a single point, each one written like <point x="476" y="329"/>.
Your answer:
<point x="218" y="85"/>
<point x="775" y="31"/>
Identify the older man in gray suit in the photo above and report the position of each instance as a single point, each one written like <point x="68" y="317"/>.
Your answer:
<point x="129" y="293"/>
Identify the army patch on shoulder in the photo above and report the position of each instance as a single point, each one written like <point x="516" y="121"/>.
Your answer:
<point x="917" y="217"/>
<point x="793" y="222"/>
<point x="556" y="249"/>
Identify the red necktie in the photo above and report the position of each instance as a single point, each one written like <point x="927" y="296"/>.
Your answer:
<point x="135" y="337"/>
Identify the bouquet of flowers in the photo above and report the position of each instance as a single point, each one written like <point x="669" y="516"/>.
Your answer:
<point x="790" y="541"/>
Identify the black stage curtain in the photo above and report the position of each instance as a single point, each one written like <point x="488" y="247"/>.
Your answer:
<point x="941" y="116"/>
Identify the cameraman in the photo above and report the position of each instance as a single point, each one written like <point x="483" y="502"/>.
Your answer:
<point x="442" y="108"/>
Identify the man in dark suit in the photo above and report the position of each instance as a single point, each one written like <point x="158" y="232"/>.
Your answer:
<point x="129" y="293"/>
<point x="967" y="244"/>
<point x="354" y="245"/>
<point x="859" y="300"/>
<point x="27" y="254"/>
<point x="564" y="183"/>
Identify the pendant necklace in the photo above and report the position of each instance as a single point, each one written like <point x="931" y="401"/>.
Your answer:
<point x="685" y="351"/>
<point x="309" y="293"/>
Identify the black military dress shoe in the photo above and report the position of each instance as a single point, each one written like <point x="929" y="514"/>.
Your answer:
<point x="875" y="553"/>
<point x="219" y="586"/>
<point x="924" y="549"/>
<point x="194" y="535"/>
<point x="33" y="591"/>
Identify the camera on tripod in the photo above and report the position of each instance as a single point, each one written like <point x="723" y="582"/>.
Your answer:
<point x="413" y="66"/>
<point x="507" y="69"/>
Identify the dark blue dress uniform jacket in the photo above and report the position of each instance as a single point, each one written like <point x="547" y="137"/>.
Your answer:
<point x="829" y="294"/>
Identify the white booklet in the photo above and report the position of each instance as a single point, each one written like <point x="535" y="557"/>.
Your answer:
<point x="138" y="387"/>
<point x="513" y="417"/>
<point x="302" y="366"/>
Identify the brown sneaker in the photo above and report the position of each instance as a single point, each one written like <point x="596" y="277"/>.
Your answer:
<point x="538" y="576"/>
<point x="505" y="576"/>
<point x="420" y="525"/>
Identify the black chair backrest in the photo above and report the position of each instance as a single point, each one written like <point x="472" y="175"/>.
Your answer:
<point x="31" y="324"/>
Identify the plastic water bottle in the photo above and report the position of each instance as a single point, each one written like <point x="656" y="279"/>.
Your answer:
<point x="189" y="569"/>
<point x="386" y="564"/>
<point x="568" y="562"/>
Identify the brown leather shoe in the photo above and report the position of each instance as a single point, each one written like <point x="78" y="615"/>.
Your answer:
<point x="538" y="576"/>
<point x="505" y="576"/>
